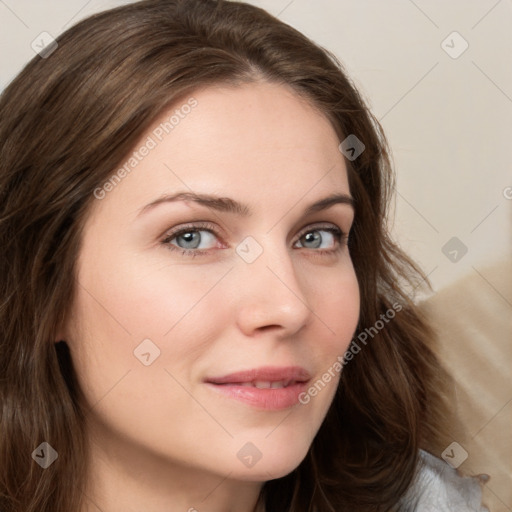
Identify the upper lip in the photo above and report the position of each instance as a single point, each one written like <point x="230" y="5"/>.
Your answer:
<point x="263" y="374"/>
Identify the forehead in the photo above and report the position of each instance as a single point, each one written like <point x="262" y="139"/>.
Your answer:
<point x="257" y="139"/>
<point x="266" y="119"/>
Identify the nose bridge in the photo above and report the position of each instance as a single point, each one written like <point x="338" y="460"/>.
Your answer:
<point x="269" y="261"/>
<point x="271" y="292"/>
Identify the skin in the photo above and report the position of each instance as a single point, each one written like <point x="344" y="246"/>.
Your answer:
<point x="161" y="440"/>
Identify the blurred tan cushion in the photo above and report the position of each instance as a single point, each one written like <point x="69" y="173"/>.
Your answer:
<point x="473" y="319"/>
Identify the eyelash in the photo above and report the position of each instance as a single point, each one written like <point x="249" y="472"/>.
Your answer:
<point x="340" y="237"/>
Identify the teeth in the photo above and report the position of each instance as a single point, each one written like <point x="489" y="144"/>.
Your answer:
<point x="264" y="384"/>
<point x="260" y="384"/>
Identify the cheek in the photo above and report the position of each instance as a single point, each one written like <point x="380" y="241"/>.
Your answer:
<point x="127" y="300"/>
<point x="119" y="308"/>
<point x="148" y="295"/>
<point x="335" y="299"/>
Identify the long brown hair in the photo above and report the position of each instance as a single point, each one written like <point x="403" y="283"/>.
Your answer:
<point x="66" y="122"/>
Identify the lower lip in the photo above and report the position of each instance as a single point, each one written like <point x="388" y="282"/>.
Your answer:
<point x="270" y="399"/>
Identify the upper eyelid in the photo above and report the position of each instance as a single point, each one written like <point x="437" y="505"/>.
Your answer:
<point x="320" y="226"/>
<point x="200" y="226"/>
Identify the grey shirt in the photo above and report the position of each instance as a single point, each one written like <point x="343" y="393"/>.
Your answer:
<point x="439" y="488"/>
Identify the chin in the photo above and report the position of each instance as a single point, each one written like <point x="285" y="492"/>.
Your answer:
<point x="275" y="462"/>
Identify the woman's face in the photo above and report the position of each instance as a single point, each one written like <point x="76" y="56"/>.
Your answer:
<point x="187" y="310"/>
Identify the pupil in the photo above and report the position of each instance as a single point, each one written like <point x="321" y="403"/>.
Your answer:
<point x="191" y="239"/>
<point x="313" y="237"/>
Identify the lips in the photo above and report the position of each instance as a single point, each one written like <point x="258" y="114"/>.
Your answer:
<point x="270" y="388"/>
<point x="264" y="374"/>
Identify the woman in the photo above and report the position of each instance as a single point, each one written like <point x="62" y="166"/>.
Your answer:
<point x="202" y="309"/>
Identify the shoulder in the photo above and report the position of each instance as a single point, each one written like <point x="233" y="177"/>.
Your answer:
<point x="439" y="488"/>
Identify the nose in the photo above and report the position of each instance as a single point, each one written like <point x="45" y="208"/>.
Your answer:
<point x="271" y="295"/>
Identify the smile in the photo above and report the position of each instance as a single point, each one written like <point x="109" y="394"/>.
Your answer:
<point x="267" y="388"/>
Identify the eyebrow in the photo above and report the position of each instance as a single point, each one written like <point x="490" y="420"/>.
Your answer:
<point x="226" y="204"/>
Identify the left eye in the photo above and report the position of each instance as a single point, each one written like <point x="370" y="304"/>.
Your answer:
<point x="315" y="238"/>
<point x="193" y="238"/>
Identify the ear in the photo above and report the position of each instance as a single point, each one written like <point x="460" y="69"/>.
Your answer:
<point x="65" y="330"/>
<point x="61" y="334"/>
